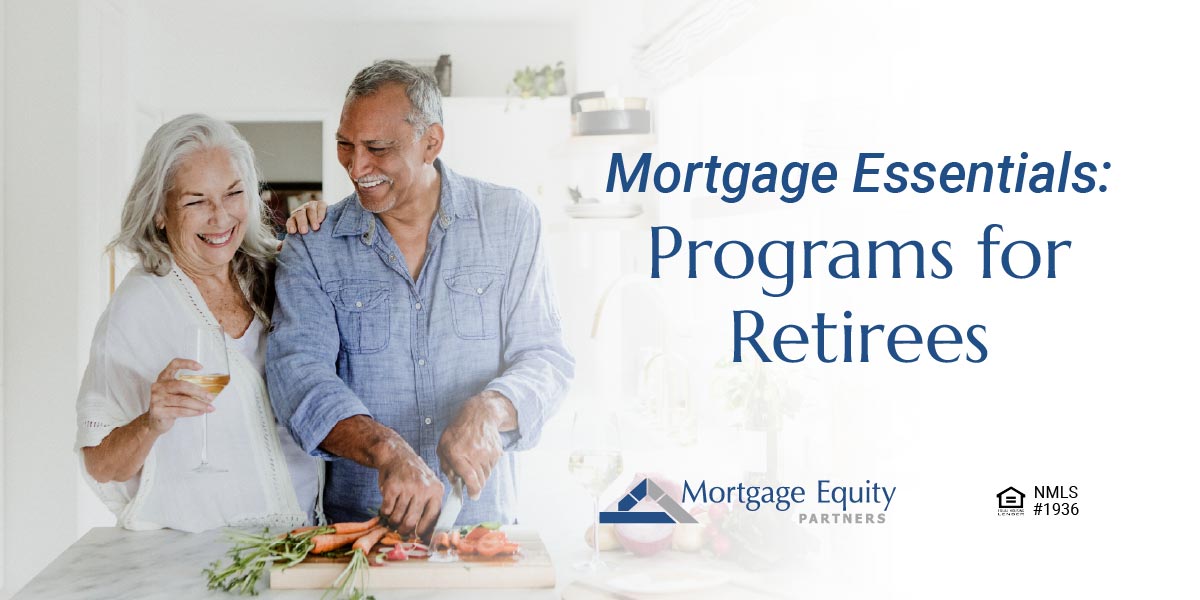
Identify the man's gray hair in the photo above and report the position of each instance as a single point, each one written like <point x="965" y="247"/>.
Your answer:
<point x="169" y="147"/>
<point x="421" y="87"/>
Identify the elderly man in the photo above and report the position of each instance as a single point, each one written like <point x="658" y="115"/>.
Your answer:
<point x="415" y="336"/>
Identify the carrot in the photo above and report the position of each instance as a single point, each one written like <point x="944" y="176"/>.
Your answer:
<point x="391" y="538"/>
<point x="498" y="536"/>
<point x="454" y="538"/>
<point x="511" y="548"/>
<point x="303" y="529"/>
<point x="489" y="547"/>
<point x="466" y="546"/>
<point x="333" y="541"/>
<point x="441" y="540"/>
<point x="477" y="533"/>
<point x="368" y="541"/>
<point x="355" y="527"/>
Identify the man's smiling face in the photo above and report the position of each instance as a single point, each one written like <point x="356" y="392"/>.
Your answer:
<point x="378" y="146"/>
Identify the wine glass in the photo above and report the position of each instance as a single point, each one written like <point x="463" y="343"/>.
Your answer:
<point x="209" y="350"/>
<point x="595" y="463"/>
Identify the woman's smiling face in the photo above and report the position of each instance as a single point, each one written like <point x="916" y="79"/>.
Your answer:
<point x="205" y="212"/>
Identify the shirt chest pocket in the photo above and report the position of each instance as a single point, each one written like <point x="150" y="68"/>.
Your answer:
<point x="475" y="294"/>
<point x="363" y="312"/>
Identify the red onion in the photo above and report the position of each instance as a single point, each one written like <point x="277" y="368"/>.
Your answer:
<point x="645" y="539"/>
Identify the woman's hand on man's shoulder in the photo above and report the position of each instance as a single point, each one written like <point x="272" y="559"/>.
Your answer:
<point x="308" y="216"/>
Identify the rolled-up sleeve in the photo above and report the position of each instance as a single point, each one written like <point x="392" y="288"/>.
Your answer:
<point x="302" y="350"/>
<point x="537" y="365"/>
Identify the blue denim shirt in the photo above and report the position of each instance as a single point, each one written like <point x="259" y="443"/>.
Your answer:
<point x="354" y="334"/>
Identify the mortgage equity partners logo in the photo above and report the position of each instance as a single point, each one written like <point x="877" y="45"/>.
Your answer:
<point x="671" y="511"/>
<point x="875" y="497"/>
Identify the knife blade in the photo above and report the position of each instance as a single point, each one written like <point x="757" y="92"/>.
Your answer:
<point x="451" y="507"/>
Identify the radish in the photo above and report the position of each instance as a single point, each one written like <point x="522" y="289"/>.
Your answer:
<point x="720" y="544"/>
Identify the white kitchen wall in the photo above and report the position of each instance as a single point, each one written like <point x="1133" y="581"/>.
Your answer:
<point x="70" y="138"/>
<point x="43" y="237"/>
<point x="3" y="131"/>
<point x="307" y="65"/>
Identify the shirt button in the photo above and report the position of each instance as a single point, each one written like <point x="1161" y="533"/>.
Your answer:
<point x="358" y="304"/>
<point x="392" y="257"/>
<point x="428" y="421"/>
<point x="478" y="290"/>
<point x="421" y="362"/>
<point x="418" y="306"/>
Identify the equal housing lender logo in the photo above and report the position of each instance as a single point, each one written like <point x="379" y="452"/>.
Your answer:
<point x="1010" y="501"/>
<point x="671" y="511"/>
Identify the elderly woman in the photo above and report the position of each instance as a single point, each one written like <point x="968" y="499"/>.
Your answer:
<point x="196" y="221"/>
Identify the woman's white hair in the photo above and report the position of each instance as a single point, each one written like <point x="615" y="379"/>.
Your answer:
<point x="145" y="207"/>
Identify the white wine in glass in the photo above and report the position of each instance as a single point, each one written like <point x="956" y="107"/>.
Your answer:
<point x="212" y="384"/>
<point x="210" y="351"/>
<point x="595" y="470"/>
<point x="595" y="463"/>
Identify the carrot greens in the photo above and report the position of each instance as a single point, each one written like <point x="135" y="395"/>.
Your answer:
<point x="352" y="583"/>
<point x="253" y="553"/>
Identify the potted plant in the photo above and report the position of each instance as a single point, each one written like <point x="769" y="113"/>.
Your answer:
<point x="544" y="82"/>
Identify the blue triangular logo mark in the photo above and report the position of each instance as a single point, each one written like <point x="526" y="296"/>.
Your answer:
<point x="671" y="511"/>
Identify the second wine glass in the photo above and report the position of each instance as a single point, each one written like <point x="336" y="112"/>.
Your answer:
<point x="595" y="463"/>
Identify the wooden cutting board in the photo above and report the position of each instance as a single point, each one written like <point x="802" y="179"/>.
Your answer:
<point x="532" y="569"/>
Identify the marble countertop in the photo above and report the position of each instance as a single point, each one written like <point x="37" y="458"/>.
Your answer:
<point x="110" y="562"/>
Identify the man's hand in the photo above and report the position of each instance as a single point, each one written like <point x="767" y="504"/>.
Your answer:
<point x="470" y="447"/>
<point x="412" y="494"/>
<point x="410" y="490"/>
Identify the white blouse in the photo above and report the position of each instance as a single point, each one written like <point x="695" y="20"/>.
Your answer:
<point x="269" y="480"/>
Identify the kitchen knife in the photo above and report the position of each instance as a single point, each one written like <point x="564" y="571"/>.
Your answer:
<point x="445" y="523"/>
<point x="451" y="507"/>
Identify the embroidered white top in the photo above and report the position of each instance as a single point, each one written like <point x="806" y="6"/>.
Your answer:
<point x="147" y="323"/>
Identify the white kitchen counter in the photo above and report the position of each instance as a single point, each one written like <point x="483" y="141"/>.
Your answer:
<point x="110" y="562"/>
